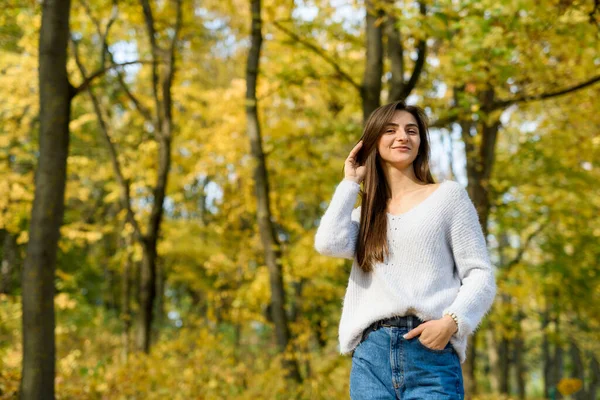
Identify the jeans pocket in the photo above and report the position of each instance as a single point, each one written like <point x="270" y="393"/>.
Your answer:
<point x="358" y="345"/>
<point x="364" y="336"/>
<point x="447" y="349"/>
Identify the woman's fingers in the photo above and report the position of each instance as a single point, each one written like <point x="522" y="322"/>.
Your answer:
<point x="355" y="150"/>
<point x="351" y="167"/>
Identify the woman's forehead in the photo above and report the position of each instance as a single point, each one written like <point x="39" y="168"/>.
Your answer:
<point x="402" y="118"/>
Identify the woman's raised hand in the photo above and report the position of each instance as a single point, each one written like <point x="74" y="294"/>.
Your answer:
<point x="352" y="170"/>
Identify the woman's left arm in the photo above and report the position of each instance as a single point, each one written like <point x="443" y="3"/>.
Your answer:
<point x="478" y="290"/>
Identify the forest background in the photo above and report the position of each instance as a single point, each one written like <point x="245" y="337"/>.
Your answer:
<point x="164" y="165"/>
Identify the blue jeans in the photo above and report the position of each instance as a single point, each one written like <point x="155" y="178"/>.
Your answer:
<point x="387" y="366"/>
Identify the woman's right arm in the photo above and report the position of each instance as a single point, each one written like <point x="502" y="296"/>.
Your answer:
<point x="338" y="230"/>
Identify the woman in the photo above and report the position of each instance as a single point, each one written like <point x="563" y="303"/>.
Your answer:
<point x="422" y="280"/>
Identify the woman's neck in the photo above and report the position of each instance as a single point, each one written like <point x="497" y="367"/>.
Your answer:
<point x="402" y="182"/>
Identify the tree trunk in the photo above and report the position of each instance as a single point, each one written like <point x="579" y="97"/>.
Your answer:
<point x="480" y="162"/>
<point x="578" y="369"/>
<point x="553" y="363"/>
<point x="371" y="87"/>
<point x="504" y="352"/>
<point x="594" y="376"/>
<point x="504" y="365"/>
<point x="39" y="349"/>
<point x="108" y="296"/>
<point x="493" y="357"/>
<point x="147" y="295"/>
<point x="296" y="306"/>
<point x="9" y="262"/>
<point x="126" y="297"/>
<point x="469" y="368"/>
<point x="518" y="357"/>
<point x="557" y="361"/>
<point x="493" y="347"/>
<point x="136" y="295"/>
<point x="160" y="306"/>
<point x="269" y="240"/>
<point x="399" y="88"/>
<point x="546" y="356"/>
<point x="163" y="122"/>
<point x="320" y="330"/>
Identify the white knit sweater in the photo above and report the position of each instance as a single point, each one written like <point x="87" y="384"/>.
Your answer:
<point x="438" y="262"/>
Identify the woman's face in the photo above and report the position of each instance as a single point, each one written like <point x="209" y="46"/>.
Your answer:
<point x="399" y="143"/>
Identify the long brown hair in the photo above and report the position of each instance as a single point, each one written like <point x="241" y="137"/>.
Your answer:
<point x="372" y="245"/>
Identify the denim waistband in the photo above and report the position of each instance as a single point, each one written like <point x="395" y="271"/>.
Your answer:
<point x="408" y="321"/>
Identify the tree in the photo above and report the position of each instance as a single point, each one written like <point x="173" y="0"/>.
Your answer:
<point x="161" y="122"/>
<point x="269" y="240"/>
<point x="48" y="204"/>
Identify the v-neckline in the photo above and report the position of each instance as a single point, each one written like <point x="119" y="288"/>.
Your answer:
<point x="428" y="198"/>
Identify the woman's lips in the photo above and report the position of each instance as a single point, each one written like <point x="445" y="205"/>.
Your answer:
<point x="401" y="148"/>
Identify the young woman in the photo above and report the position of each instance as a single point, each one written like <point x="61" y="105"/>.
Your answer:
<point x="421" y="280"/>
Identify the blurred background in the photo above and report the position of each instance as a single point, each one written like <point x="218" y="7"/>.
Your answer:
<point x="197" y="144"/>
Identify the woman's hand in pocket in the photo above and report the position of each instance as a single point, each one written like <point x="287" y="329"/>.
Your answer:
<point x="434" y="334"/>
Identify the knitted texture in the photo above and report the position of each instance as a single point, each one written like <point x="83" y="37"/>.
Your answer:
<point x="438" y="263"/>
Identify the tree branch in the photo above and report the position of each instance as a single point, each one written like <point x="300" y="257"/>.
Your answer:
<point x="154" y="49"/>
<point x="505" y="103"/>
<point x="395" y="53"/>
<point x="523" y="248"/>
<point x="96" y="22"/>
<point x="592" y="13"/>
<point x="170" y="73"/>
<point x="449" y="118"/>
<point x="454" y="114"/>
<point x="318" y="51"/>
<point x="141" y="109"/>
<point x="87" y="81"/>
<point x="420" y="63"/>
<point x="105" y="51"/>
<point x="123" y="182"/>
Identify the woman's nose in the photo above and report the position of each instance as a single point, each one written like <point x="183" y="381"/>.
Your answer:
<point x="402" y="136"/>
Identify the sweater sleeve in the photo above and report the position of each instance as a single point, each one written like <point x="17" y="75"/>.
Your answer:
<point x="338" y="230"/>
<point x="478" y="289"/>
